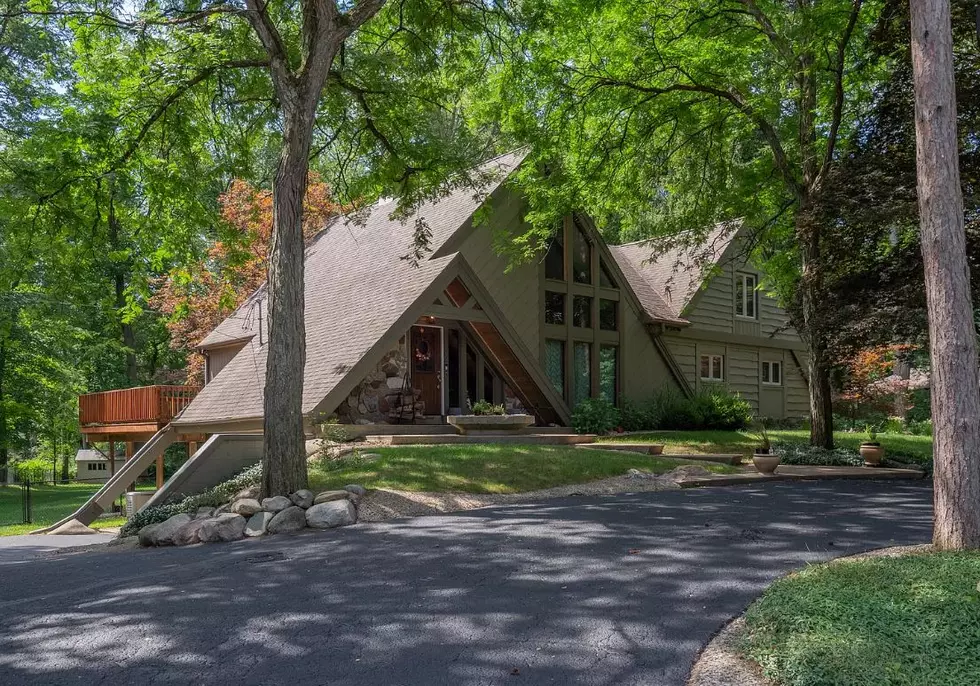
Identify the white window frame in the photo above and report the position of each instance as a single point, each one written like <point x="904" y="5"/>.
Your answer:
<point x="711" y="367"/>
<point x="772" y="365"/>
<point x="747" y="295"/>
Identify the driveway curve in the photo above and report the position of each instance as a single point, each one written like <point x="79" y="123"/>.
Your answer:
<point x="602" y="590"/>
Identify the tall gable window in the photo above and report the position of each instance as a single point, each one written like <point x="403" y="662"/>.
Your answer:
<point x="554" y="261"/>
<point x="581" y="257"/>
<point x="582" y="317"/>
<point x="746" y="296"/>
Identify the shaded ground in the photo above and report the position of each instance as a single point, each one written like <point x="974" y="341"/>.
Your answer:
<point x="22" y="549"/>
<point x="602" y="590"/>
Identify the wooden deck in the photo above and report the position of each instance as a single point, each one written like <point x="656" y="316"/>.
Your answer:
<point x="131" y="413"/>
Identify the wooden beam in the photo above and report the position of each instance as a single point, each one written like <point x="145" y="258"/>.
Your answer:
<point x="459" y="314"/>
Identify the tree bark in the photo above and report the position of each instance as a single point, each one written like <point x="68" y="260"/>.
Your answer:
<point x="952" y="335"/>
<point x="284" y="466"/>
<point x="818" y="367"/>
<point x="4" y="455"/>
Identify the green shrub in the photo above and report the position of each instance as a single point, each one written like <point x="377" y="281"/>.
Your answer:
<point x="484" y="407"/>
<point x="212" y="497"/>
<point x="668" y="408"/>
<point x="923" y="428"/>
<point x="35" y="469"/>
<point x="800" y="453"/>
<point x="595" y="416"/>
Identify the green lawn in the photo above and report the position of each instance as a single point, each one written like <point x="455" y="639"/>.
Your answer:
<point x="485" y="468"/>
<point x="49" y="504"/>
<point x="898" y="446"/>
<point x="912" y="620"/>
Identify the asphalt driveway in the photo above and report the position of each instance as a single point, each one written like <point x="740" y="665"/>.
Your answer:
<point x="600" y="590"/>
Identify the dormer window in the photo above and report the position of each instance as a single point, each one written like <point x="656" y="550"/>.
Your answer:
<point x="746" y="296"/>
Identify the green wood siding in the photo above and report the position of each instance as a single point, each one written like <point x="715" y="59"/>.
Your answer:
<point x="516" y="292"/>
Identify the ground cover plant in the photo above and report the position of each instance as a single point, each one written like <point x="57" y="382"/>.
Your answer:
<point x="911" y="620"/>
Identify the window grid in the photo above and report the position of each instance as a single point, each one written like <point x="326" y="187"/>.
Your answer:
<point x="746" y="296"/>
<point x="712" y="367"/>
<point x="772" y="373"/>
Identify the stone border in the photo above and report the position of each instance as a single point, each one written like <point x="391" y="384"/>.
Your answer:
<point x="720" y="664"/>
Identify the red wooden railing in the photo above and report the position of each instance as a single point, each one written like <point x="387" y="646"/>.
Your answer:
<point x="144" y="405"/>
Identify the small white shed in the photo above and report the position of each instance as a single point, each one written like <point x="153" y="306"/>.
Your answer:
<point x="91" y="465"/>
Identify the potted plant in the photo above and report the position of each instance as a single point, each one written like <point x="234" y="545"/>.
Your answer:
<point x="871" y="450"/>
<point x="489" y="419"/>
<point x="764" y="459"/>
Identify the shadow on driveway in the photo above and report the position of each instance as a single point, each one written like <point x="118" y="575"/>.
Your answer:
<point x="601" y="590"/>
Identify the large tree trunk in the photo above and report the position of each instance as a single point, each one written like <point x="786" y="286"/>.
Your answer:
<point x="4" y="456"/>
<point x="284" y="466"/>
<point x="818" y="364"/>
<point x="955" y="372"/>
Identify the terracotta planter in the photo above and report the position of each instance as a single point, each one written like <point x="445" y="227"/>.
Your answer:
<point x="765" y="463"/>
<point x="872" y="453"/>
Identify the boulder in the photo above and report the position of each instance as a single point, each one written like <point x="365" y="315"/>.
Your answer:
<point x="276" y="503"/>
<point x="303" y="498"/>
<point x="246" y="507"/>
<point x="72" y="527"/>
<point x="356" y="489"/>
<point x="291" y="519"/>
<point x="258" y="524"/>
<point x="190" y="532"/>
<point x="204" y="513"/>
<point x="328" y="496"/>
<point x="250" y="492"/>
<point x="331" y="514"/>
<point x="225" y="527"/>
<point x="163" y="533"/>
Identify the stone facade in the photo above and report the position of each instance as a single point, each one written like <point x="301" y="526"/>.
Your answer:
<point x="383" y="395"/>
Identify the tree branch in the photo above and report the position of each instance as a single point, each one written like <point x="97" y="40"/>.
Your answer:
<point x="781" y="44"/>
<point x="838" y="108"/>
<point x="282" y="76"/>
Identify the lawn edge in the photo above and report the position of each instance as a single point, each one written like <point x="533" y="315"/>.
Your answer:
<point x="720" y="664"/>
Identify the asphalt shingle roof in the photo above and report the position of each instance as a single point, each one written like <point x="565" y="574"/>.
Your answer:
<point x="667" y="283"/>
<point x="357" y="286"/>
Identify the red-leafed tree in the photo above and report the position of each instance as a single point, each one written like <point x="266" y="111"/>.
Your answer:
<point x="196" y="299"/>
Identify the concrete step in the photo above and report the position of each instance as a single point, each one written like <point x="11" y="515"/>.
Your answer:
<point x="508" y="438"/>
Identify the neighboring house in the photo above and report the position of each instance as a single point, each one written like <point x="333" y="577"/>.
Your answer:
<point x="388" y="341"/>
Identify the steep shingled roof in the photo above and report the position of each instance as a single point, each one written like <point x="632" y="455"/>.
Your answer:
<point x="357" y="287"/>
<point x="675" y="276"/>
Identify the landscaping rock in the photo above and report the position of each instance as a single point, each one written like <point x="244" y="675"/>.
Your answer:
<point x="302" y="498"/>
<point x="221" y="509"/>
<point x="291" y="519"/>
<point x="163" y="533"/>
<point x="247" y="493"/>
<point x="276" y="503"/>
<point x="258" y="524"/>
<point x="204" y="513"/>
<point x="331" y="514"/>
<point x="328" y="496"/>
<point x="246" y="507"/>
<point x="356" y="489"/>
<point x="72" y="527"/>
<point x="226" y="527"/>
<point x="190" y="532"/>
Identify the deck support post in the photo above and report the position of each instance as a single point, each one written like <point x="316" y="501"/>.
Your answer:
<point x="112" y="458"/>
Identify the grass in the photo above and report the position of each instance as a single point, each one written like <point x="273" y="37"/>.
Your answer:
<point x="49" y="504"/>
<point x="912" y="620"/>
<point x="917" y="449"/>
<point x="484" y="468"/>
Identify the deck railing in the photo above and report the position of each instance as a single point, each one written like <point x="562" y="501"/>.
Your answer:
<point x="144" y="405"/>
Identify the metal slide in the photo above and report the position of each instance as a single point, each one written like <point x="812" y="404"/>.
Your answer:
<point x="120" y="481"/>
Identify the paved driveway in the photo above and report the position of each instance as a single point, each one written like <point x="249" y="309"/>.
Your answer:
<point x="610" y="590"/>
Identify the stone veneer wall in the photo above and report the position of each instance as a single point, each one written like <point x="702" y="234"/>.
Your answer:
<point x="378" y="394"/>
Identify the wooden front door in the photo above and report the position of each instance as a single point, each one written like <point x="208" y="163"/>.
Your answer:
<point x="427" y="367"/>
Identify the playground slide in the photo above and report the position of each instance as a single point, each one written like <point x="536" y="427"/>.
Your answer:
<point x="120" y="481"/>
